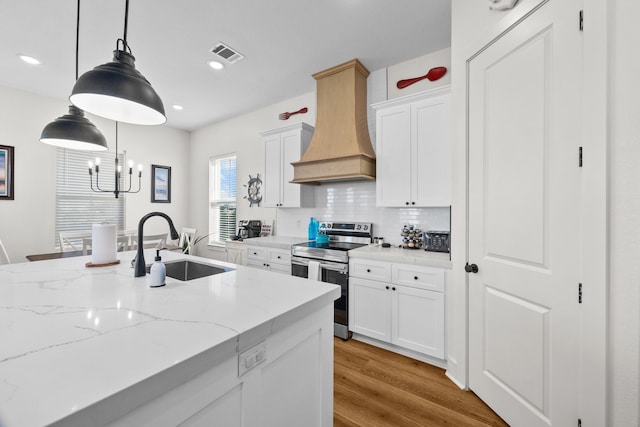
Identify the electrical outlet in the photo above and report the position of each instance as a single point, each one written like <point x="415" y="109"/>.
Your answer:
<point x="249" y="359"/>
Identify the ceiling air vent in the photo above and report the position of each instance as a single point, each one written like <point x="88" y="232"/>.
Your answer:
<point x="225" y="52"/>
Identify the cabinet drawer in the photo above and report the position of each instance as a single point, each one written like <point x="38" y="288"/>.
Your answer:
<point x="281" y="268"/>
<point x="255" y="252"/>
<point x="256" y="264"/>
<point x="416" y="276"/>
<point x="372" y="270"/>
<point x="279" y="256"/>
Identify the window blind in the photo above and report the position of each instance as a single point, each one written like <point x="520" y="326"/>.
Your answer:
<point x="222" y="199"/>
<point x="77" y="207"/>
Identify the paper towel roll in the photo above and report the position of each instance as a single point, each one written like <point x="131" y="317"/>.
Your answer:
<point x="103" y="243"/>
<point x="313" y="273"/>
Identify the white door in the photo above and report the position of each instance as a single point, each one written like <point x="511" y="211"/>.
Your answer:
<point x="291" y="152"/>
<point x="370" y="308"/>
<point x="417" y="319"/>
<point x="271" y="182"/>
<point x="431" y="152"/>
<point x="524" y="188"/>
<point x="393" y="152"/>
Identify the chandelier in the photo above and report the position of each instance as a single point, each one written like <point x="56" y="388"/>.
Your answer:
<point x="118" y="174"/>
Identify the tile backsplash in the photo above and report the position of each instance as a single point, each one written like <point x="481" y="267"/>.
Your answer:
<point x="356" y="201"/>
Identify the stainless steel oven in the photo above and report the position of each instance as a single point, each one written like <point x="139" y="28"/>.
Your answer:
<point x="330" y="272"/>
<point x="333" y="259"/>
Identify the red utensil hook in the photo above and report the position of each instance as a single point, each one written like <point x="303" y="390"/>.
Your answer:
<point x="434" y="74"/>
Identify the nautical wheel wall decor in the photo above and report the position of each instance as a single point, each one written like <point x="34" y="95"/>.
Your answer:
<point x="253" y="190"/>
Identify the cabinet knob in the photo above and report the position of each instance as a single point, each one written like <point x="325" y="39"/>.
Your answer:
<point x="278" y="256"/>
<point x="368" y="270"/>
<point x="413" y="203"/>
<point x="393" y="289"/>
<point x="255" y="253"/>
<point x="415" y="277"/>
<point x="406" y="203"/>
<point x="386" y="287"/>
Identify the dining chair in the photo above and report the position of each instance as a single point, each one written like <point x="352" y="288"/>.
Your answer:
<point x="187" y="237"/>
<point x="157" y="241"/>
<point x="4" y="256"/>
<point x="122" y="244"/>
<point x="72" y="240"/>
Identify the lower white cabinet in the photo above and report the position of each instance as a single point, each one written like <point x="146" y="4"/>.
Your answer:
<point x="266" y="258"/>
<point x="407" y="311"/>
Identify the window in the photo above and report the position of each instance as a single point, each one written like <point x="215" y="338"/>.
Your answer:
<point x="77" y="207"/>
<point x="222" y="198"/>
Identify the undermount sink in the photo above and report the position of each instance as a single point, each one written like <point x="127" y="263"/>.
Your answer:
<point x="185" y="270"/>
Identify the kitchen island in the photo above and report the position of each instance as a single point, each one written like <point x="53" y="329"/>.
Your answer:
<point x="96" y="346"/>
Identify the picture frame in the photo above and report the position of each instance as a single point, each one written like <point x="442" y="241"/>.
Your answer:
<point x="7" y="161"/>
<point x="160" y="184"/>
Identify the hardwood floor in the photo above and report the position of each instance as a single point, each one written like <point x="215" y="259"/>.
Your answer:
<point x="377" y="388"/>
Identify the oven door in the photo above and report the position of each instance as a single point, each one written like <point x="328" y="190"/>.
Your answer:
<point x="330" y="272"/>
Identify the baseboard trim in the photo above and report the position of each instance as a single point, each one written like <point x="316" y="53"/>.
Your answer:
<point x="440" y="363"/>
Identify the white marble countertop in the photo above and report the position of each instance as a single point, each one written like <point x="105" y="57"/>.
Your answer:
<point x="278" y="242"/>
<point x="73" y="336"/>
<point x="405" y="256"/>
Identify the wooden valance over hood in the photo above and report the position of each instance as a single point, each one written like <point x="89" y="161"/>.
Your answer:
<point x="340" y="148"/>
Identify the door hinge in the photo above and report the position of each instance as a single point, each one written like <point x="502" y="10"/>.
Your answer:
<point x="581" y="19"/>
<point x="579" y="293"/>
<point x="580" y="157"/>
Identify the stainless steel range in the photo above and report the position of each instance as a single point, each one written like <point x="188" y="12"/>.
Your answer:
<point x="333" y="259"/>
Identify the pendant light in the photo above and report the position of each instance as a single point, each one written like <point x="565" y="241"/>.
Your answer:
<point x="117" y="91"/>
<point x="74" y="130"/>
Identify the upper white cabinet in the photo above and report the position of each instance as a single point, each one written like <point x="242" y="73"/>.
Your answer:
<point x="281" y="147"/>
<point x="413" y="150"/>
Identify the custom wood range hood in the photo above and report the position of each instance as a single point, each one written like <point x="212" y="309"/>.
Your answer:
<point x="340" y="148"/>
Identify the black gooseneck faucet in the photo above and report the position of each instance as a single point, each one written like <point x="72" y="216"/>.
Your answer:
<point x="139" y="268"/>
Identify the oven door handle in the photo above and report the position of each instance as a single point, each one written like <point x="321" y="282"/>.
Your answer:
<point x="342" y="268"/>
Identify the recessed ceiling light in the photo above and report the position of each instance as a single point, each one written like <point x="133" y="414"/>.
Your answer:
<point x="216" y="65"/>
<point x="177" y="107"/>
<point x="29" y="59"/>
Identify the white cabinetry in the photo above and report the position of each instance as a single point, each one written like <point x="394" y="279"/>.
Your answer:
<point x="281" y="147"/>
<point x="413" y="150"/>
<point x="399" y="304"/>
<point x="271" y="259"/>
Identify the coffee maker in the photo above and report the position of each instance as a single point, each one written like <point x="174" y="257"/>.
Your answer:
<point x="248" y="228"/>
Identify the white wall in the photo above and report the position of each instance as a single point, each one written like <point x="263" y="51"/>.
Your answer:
<point x="353" y="201"/>
<point x="27" y="223"/>
<point x="624" y="211"/>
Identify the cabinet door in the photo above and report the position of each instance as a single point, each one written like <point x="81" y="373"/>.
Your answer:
<point x="369" y="308"/>
<point x="418" y="320"/>
<point x="431" y="151"/>
<point x="291" y="152"/>
<point x="393" y="156"/>
<point x="272" y="179"/>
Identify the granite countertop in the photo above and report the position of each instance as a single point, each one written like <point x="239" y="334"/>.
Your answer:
<point x="73" y="336"/>
<point x="278" y="242"/>
<point x="405" y="256"/>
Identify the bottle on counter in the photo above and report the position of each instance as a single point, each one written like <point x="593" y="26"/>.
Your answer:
<point x="312" y="230"/>
<point x="158" y="272"/>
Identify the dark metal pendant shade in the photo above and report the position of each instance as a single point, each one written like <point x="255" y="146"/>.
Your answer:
<point x="117" y="91"/>
<point x="74" y="131"/>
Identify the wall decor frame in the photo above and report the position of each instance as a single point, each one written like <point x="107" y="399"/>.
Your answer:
<point x="7" y="161"/>
<point x="160" y="184"/>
